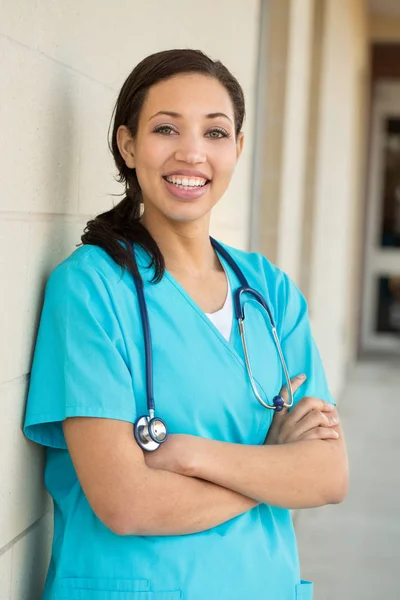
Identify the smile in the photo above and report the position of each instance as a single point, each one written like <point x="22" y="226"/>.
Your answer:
<point x="186" y="183"/>
<point x="186" y="188"/>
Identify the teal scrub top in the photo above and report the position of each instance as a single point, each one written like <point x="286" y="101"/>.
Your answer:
<point x="89" y="362"/>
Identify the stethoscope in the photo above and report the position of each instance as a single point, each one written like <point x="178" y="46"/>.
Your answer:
<point x="151" y="431"/>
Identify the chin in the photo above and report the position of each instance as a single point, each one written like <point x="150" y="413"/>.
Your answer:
<point x="185" y="218"/>
<point x="188" y="213"/>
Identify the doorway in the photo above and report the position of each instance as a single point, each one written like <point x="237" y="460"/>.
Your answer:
<point x="380" y="331"/>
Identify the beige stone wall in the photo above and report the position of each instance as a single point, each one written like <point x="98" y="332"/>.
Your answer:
<point x="61" y="66"/>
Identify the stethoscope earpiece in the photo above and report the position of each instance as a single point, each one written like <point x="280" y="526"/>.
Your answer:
<point x="150" y="433"/>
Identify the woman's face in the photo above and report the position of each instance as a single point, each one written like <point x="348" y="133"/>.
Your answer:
<point x="185" y="150"/>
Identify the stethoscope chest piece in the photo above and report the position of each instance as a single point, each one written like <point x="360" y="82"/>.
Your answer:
<point x="150" y="432"/>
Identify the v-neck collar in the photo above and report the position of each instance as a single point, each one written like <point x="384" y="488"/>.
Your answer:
<point x="227" y="300"/>
<point x="202" y="314"/>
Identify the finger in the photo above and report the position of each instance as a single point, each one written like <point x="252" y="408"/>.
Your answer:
<point x="333" y="417"/>
<point x="316" y="418"/>
<point x="291" y="428"/>
<point x="295" y="382"/>
<point x="320" y="433"/>
<point x="307" y="404"/>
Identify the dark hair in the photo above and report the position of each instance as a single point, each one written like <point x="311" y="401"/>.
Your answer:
<point x="117" y="229"/>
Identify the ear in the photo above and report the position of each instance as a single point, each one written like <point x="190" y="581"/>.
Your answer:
<point x="239" y="145"/>
<point x="125" y="145"/>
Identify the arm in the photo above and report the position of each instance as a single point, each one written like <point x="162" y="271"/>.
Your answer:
<point x="301" y="474"/>
<point x="303" y="465"/>
<point x="132" y="499"/>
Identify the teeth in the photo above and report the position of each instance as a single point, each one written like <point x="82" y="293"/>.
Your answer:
<point x="186" y="182"/>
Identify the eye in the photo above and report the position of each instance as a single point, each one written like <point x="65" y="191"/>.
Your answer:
<point x="164" y="130"/>
<point x="217" y="133"/>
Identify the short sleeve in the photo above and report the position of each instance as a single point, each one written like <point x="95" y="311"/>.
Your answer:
<point x="298" y="345"/>
<point x="79" y="366"/>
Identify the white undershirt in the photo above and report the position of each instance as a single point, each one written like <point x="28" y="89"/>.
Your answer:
<point x="222" y="319"/>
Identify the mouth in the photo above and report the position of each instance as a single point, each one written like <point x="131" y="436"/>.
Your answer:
<point x="186" y="187"/>
<point x="186" y="183"/>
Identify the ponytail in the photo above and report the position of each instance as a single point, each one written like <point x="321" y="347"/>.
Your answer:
<point x="121" y="224"/>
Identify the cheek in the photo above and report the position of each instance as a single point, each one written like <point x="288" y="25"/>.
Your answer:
<point x="225" y="168"/>
<point x="147" y="174"/>
<point x="224" y="159"/>
<point x="150" y="159"/>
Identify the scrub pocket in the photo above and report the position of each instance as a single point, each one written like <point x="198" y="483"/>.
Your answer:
<point x="304" y="590"/>
<point x="77" y="588"/>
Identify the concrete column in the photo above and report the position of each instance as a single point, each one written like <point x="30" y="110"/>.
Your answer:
<point x="332" y="267"/>
<point x="295" y="137"/>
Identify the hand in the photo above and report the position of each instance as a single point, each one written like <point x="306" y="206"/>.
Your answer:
<point x="310" y="419"/>
<point x="173" y="455"/>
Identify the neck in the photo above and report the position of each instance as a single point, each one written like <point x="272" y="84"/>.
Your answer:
<point x="186" y="247"/>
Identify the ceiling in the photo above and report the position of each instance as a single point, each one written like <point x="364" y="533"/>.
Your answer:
<point x="390" y="8"/>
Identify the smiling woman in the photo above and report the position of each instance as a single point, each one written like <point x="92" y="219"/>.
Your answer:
<point x="203" y="512"/>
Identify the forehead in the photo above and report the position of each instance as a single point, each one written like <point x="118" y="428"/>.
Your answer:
<point x="189" y="94"/>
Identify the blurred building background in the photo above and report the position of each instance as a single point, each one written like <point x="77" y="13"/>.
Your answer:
<point x="317" y="191"/>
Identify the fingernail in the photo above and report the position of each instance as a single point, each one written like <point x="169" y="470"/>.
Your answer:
<point x="334" y="420"/>
<point x="302" y="377"/>
<point x="336" y="433"/>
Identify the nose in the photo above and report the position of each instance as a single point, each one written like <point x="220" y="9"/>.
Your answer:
<point x="190" y="150"/>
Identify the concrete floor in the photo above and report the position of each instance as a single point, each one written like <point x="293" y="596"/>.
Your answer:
<point x="352" y="550"/>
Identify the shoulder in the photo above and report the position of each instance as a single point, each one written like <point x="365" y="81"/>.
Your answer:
<point x="87" y="260"/>
<point x="90" y="258"/>
<point x="278" y="288"/>
<point x="87" y="272"/>
<point x="258" y="269"/>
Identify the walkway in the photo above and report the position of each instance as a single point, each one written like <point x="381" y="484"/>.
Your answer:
<point x="352" y="551"/>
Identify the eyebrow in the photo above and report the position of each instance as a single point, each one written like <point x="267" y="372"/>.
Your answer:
<point x="178" y="115"/>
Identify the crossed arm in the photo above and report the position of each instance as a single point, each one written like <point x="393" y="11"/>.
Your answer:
<point x="191" y="484"/>
<point x="301" y="474"/>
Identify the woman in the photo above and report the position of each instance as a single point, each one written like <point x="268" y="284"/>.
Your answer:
<point x="205" y="515"/>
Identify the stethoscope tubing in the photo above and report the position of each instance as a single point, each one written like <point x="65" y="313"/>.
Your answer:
<point x="144" y="315"/>
<point x="240" y="317"/>
<point x="150" y="431"/>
